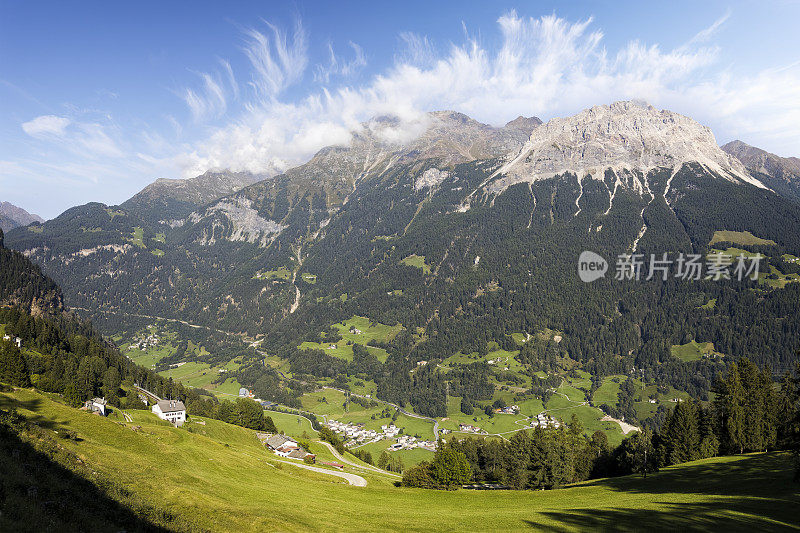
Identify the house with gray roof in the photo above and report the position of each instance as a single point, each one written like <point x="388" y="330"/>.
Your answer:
<point x="172" y="411"/>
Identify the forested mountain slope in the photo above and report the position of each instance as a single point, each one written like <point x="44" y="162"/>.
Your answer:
<point x="22" y="284"/>
<point x="464" y="234"/>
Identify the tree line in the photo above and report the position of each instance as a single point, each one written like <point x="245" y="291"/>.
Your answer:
<point x="748" y="414"/>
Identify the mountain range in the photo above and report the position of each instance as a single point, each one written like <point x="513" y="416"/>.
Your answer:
<point x="465" y="235"/>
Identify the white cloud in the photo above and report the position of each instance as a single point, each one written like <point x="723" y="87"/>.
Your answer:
<point x="277" y="61"/>
<point x="210" y="102"/>
<point x="46" y="125"/>
<point x="337" y="66"/>
<point x="544" y="66"/>
<point x="417" y="50"/>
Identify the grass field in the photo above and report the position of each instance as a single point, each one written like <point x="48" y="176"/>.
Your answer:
<point x="363" y="332"/>
<point x="309" y="278"/>
<point x="281" y="273"/>
<point x="416" y="261"/>
<point x="711" y="304"/>
<point x="293" y="425"/>
<point x="739" y="237"/>
<point x="608" y="391"/>
<point x="137" y="237"/>
<point x="217" y="477"/>
<point x="694" y="351"/>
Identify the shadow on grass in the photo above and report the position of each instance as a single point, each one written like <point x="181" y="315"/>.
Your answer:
<point x="32" y="406"/>
<point x="38" y="493"/>
<point x="753" y="492"/>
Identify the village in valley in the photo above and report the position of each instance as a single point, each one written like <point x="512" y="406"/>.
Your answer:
<point x="364" y="423"/>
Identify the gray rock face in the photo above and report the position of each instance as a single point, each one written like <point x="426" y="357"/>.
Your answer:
<point x="631" y="137"/>
<point x="758" y="160"/>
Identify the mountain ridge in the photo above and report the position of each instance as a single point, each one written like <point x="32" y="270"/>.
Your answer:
<point x="12" y="216"/>
<point x="780" y="173"/>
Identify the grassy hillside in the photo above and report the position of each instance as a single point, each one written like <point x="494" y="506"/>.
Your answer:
<point x="216" y="476"/>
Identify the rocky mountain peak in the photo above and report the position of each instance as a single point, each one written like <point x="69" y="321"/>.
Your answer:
<point x="524" y="123"/>
<point x="764" y="162"/>
<point x="628" y="136"/>
<point x="12" y="216"/>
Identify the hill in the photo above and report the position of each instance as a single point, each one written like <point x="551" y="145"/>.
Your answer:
<point x="170" y="199"/>
<point x="210" y="475"/>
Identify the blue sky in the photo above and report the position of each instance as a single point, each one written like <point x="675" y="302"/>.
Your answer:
<point x="97" y="99"/>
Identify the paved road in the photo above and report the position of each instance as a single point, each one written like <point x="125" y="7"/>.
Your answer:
<point x="363" y="467"/>
<point x="353" y="479"/>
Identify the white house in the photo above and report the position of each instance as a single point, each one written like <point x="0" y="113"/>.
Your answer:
<point x="16" y="340"/>
<point x="96" y="405"/>
<point x="171" y="410"/>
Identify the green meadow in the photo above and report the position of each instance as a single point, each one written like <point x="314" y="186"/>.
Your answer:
<point x="210" y="475"/>
<point x="356" y="330"/>
<point x="694" y="351"/>
<point x="739" y="237"/>
<point x="416" y="261"/>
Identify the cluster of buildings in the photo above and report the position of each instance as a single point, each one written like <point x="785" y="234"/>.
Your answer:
<point x="358" y="434"/>
<point x="145" y="343"/>
<point x="15" y="340"/>
<point x="510" y="410"/>
<point x="545" y="421"/>
<point x="468" y="428"/>
<point x="284" y="446"/>
<point x="407" y="442"/>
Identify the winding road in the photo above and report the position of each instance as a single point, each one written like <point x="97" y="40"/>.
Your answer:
<point x="353" y="479"/>
<point x="362" y="467"/>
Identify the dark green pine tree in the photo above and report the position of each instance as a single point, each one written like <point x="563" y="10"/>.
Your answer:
<point x="729" y="406"/>
<point x="13" y="367"/>
<point x="681" y="435"/>
<point x="111" y="383"/>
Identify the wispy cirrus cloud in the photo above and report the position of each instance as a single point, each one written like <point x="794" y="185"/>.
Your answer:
<point x="277" y="60"/>
<point x="338" y="66"/>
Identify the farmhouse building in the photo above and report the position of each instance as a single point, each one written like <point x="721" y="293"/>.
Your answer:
<point x="286" y="447"/>
<point x="96" y="405"/>
<point x="172" y="411"/>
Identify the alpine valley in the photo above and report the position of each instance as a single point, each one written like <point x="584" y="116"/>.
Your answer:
<point x="434" y="265"/>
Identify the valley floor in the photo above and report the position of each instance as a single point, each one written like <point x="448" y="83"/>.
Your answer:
<point x="209" y="475"/>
